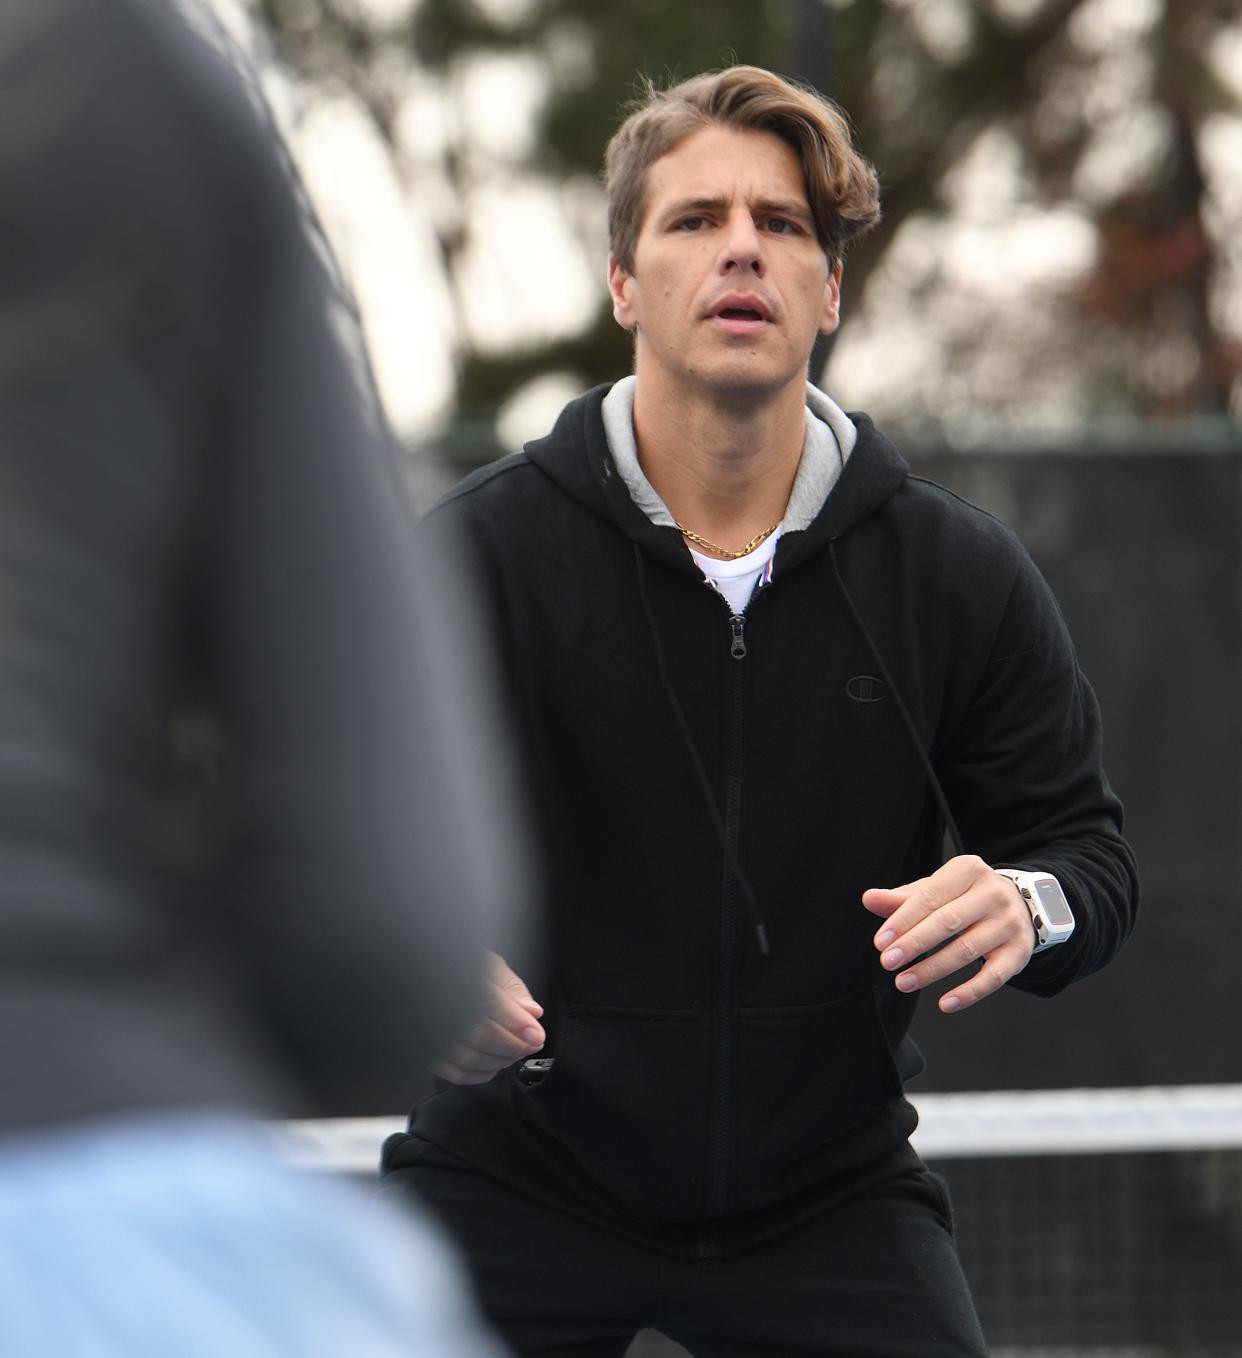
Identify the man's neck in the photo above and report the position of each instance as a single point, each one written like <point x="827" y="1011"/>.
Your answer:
<point x="724" y="467"/>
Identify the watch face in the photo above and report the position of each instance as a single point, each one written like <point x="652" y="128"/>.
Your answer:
<point x="1052" y="903"/>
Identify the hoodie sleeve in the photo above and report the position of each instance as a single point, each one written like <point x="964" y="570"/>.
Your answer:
<point x="1024" y="775"/>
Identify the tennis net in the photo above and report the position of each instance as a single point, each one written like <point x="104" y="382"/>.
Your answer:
<point x="1092" y="1223"/>
<point x="1103" y="1223"/>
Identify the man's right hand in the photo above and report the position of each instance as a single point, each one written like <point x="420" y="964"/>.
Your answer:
<point x="506" y="1031"/>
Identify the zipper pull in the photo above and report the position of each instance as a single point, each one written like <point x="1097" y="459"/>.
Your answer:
<point x="737" y="647"/>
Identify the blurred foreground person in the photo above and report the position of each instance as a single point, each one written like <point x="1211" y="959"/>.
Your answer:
<point x="247" y="857"/>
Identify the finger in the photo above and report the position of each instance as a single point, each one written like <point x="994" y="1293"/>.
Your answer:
<point x="883" y="901"/>
<point x="901" y="907"/>
<point x="469" y="1058"/>
<point x="505" y="1012"/>
<point x="473" y="1062"/>
<point x="488" y="1048"/>
<point x="949" y="924"/>
<point x="1000" y="967"/>
<point x="510" y="1003"/>
<point x="969" y="948"/>
<point x="503" y="978"/>
<point x="514" y="999"/>
<point x="458" y="1075"/>
<point x="489" y="1039"/>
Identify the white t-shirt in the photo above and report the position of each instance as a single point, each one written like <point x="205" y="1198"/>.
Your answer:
<point x="736" y="580"/>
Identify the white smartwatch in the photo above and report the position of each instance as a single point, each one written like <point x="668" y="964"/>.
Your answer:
<point x="1050" y="911"/>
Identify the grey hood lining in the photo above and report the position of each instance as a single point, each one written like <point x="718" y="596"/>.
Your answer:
<point x="829" y="440"/>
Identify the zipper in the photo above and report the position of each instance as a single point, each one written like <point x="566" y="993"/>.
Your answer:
<point x="737" y="627"/>
<point x="723" y="1124"/>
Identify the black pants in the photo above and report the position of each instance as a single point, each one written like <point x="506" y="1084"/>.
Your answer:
<point x="877" y="1277"/>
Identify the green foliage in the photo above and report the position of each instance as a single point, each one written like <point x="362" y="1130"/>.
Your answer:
<point x="923" y="81"/>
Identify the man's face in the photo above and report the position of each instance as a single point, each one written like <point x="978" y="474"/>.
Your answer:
<point x="730" y="286"/>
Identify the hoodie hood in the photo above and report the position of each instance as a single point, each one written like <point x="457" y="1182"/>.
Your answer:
<point x="873" y="473"/>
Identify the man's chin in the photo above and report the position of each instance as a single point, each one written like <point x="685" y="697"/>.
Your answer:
<point x="741" y="387"/>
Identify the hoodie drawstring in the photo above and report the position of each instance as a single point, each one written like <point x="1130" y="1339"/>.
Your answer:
<point x="937" y="790"/>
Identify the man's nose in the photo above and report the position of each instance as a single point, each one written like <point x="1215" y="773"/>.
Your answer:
<point x="742" y="246"/>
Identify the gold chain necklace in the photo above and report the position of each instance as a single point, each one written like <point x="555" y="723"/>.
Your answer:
<point x="724" y="551"/>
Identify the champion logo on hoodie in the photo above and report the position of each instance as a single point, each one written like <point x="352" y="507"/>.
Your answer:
<point x="866" y="688"/>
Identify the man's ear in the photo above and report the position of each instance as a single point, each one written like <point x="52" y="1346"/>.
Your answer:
<point x="620" y="287"/>
<point x="830" y="317"/>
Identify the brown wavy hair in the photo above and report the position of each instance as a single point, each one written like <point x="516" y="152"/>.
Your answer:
<point x="841" y="187"/>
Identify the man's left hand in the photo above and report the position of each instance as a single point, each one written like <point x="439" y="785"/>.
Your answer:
<point x="963" y="914"/>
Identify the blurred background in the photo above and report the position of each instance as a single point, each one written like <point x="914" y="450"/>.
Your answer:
<point x="1060" y="189"/>
<point x="1048" y="320"/>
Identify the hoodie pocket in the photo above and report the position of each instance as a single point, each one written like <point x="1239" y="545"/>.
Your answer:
<point x="628" y="1096"/>
<point x="807" y="1077"/>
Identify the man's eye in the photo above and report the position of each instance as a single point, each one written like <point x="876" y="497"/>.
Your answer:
<point x="691" y="223"/>
<point x="782" y="227"/>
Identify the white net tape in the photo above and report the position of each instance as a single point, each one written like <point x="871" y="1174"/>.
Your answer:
<point x="1012" y="1122"/>
<point x="1079" y="1121"/>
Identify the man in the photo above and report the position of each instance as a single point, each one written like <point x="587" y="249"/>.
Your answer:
<point x="760" y="671"/>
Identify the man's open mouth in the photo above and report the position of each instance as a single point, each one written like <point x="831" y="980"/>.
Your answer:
<point x="742" y="308"/>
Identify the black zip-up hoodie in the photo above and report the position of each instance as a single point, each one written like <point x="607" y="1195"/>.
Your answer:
<point x="703" y="779"/>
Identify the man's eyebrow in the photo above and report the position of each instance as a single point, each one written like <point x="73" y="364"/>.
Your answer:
<point x="684" y="206"/>
<point x="767" y="207"/>
<point x="777" y="207"/>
